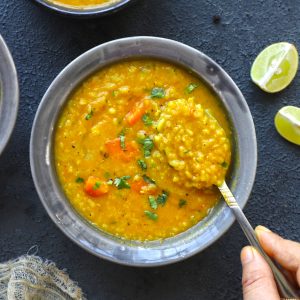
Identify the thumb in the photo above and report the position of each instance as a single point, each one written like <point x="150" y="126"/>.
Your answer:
<point x="258" y="281"/>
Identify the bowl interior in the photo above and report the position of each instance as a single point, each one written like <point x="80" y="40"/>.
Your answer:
<point x="230" y="177"/>
<point x="100" y="243"/>
<point x="9" y="94"/>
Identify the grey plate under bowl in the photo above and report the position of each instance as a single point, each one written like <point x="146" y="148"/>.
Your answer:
<point x="197" y="238"/>
<point x="85" y="13"/>
<point x="9" y="94"/>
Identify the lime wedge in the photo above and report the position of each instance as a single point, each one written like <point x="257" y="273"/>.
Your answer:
<point x="275" y="67"/>
<point x="287" y="123"/>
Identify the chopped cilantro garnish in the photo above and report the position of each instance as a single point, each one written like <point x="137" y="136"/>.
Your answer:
<point x="182" y="203"/>
<point x="148" y="145"/>
<point x="162" y="199"/>
<point x="89" y="115"/>
<point x="158" y="92"/>
<point x="148" y="179"/>
<point x="122" y="139"/>
<point x="142" y="164"/>
<point x="121" y="183"/>
<point x="152" y="202"/>
<point x="96" y="185"/>
<point x="224" y="164"/>
<point x="79" y="180"/>
<point x="191" y="87"/>
<point x="147" y="120"/>
<point x="151" y="215"/>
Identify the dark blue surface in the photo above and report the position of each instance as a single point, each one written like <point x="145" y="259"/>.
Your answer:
<point x="43" y="43"/>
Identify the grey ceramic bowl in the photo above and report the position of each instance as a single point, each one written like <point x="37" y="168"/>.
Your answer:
<point x="96" y="11"/>
<point x="134" y="253"/>
<point x="9" y="94"/>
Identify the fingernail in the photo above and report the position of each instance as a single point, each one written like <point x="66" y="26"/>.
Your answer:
<point x="262" y="228"/>
<point x="247" y="255"/>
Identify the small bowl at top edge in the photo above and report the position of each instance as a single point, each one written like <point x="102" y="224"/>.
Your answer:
<point x="9" y="94"/>
<point x="98" y="11"/>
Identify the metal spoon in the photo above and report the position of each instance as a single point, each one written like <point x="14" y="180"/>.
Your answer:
<point x="285" y="288"/>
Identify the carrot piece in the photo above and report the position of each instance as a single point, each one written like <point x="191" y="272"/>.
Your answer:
<point x="95" y="187"/>
<point x="140" y="186"/>
<point x="137" y="185"/>
<point x="136" y="113"/>
<point x="113" y="147"/>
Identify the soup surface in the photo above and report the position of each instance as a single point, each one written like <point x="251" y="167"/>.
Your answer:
<point x="83" y="3"/>
<point x="124" y="151"/>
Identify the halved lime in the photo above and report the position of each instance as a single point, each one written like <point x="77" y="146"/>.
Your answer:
<point x="275" y="67"/>
<point x="287" y="123"/>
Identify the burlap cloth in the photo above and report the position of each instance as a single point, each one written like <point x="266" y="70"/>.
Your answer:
<point x="30" y="278"/>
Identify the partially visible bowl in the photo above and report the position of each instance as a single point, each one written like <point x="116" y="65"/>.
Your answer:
<point x="9" y="94"/>
<point x="99" y="243"/>
<point x="96" y="11"/>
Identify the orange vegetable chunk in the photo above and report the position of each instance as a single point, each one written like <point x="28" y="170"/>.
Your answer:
<point x="114" y="149"/>
<point x="136" y="113"/>
<point x="95" y="187"/>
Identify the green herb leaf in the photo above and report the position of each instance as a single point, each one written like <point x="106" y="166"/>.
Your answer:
<point x="121" y="183"/>
<point x="147" y="119"/>
<point x="182" y="203"/>
<point x="142" y="164"/>
<point x="148" y="179"/>
<point x="89" y="115"/>
<point x="152" y="202"/>
<point x="151" y="215"/>
<point x="122" y="138"/>
<point x="110" y="182"/>
<point x="191" y="87"/>
<point x="158" y="92"/>
<point x="79" y="180"/>
<point x="96" y="185"/>
<point x="224" y="164"/>
<point x="148" y="145"/>
<point x="122" y="141"/>
<point x="162" y="199"/>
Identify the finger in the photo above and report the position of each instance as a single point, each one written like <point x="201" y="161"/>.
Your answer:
<point x="285" y="252"/>
<point x="258" y="282"/>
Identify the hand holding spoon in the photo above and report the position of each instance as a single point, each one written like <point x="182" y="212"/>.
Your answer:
<point x="285" y="288"/>
<point x="182" y="124"/>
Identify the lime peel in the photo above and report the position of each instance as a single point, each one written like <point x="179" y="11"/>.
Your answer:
<point x="291" y="119"/>
<point x="275" y="67"/>
<point x="287" y="123"/>
<point x="275" y="64"/>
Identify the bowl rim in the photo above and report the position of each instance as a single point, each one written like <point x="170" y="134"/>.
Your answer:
<point x="9" y="95"/>
<point x="40" y="160"/>
<point x="84" y="13"/>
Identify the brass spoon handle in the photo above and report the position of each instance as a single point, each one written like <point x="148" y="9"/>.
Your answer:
<point x="285" y="288"/>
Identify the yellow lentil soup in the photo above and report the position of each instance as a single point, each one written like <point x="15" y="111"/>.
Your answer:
<point x="83" y="3"/>
<point x="124" y="149"/>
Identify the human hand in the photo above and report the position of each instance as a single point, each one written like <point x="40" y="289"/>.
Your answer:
<point x="258" y="281"/>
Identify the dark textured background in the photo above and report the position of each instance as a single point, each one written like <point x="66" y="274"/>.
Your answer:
<point x="43" y="43"/>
